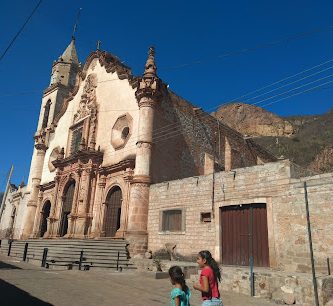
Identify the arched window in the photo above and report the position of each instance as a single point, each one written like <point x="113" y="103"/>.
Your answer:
<point x="67" y="207"/>
<point x="46" y="114"/>
<point x="113" y="212"/>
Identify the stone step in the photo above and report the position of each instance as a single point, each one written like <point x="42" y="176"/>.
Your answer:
<point x="62" y="252"/>
<point x="100" y="261"/>
<point x="68" y="242"/>
<point x="72" y="253"/>
<point x="72" y="248"/>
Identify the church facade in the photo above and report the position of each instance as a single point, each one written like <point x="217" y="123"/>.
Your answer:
<point x="103" y="137"/>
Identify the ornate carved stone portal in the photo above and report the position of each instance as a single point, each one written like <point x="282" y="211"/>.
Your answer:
<point x="74" y="194"/>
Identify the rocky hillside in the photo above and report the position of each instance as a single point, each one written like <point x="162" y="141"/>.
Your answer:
<point x="306" y="140"/>
<point x="253" y="120"/>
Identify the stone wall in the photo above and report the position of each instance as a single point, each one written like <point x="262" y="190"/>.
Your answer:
<point x="276" y="184"/>
<point x="15" y="205"/>
<point x="184" y="134"/>
<point x="281" y="287"/>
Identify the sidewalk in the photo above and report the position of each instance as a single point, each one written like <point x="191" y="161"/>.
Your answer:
<point x="26" y="284"/>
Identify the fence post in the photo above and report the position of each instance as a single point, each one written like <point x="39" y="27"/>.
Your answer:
<point x="328" y="266"/>
<point x="118" y="261"/>
<point x="10" y="247"/>
<point x="81" y="258"/>
<point x="44" y="257"/>
<point x="25" y="251"/>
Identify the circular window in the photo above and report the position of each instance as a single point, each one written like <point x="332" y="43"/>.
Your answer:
<point x="53" y="157"/>
<point x="121" y="131"/>
<point x="125" y="132"/>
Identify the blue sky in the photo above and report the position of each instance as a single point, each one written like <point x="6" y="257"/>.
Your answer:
<point x="197" y="51"/>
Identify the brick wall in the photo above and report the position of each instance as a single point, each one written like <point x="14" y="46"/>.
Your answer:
<point x="274" y="184"/>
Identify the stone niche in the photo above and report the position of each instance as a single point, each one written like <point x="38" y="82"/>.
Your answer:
<point x="121" y="131"/>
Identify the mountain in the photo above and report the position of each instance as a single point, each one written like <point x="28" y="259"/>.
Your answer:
<point x="305" y="140"/>
<point x="253" y="120"/>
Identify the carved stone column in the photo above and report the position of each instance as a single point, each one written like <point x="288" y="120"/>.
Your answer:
<point x="35" y="232"/>
<point x="98" y="209"/>
<point x="90" y="208"/>
<point x="36" y="176"/>
<point x="72" y="217"/>
<point x="128" y="177"/>
<point x="51" y="220"/>
<point x="148" y="95"/>
<point x="82" y="204"/>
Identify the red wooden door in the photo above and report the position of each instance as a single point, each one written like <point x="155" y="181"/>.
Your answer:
<point x="244" y="233"/>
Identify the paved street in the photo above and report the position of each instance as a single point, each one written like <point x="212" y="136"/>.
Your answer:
<point x="26" y="284"/>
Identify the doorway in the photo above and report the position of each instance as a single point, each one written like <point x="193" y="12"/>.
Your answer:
<point x="245" y="234"/>
<point x="113" y="212"/>
<point x="45" y="215"/>
<point x="67" y="208"/>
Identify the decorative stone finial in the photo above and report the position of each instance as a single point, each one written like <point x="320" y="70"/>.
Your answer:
<point x="98" y="45"/>
<point x="150" y="67"/>
<point x="22" y="184"/>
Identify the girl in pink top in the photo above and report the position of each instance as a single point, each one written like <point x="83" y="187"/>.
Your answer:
<point x="209" y="277"/>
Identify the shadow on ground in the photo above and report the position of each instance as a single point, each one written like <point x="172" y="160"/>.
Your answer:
<point x="11" y="295"/>
<point x="6" y="266"/>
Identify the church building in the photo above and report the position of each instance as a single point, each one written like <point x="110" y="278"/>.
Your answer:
<point x="118" y="156"/>
<point x="103" y="137"/>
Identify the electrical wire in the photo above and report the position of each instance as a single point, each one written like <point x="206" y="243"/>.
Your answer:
<point x="20" y="30"/>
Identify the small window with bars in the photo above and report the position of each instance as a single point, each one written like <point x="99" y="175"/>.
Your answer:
<point x="206" y="217"/>
<point x="172" y="220"/>
<point x="76" y="140"/>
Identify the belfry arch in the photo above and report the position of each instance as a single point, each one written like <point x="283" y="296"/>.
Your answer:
<point x="112" y="211"/>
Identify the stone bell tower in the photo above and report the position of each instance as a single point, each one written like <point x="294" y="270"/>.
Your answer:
<point x="148" y="95"/>
<point x="64" y="72"/>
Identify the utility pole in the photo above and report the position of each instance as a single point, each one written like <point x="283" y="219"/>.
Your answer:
<point x="6" y="191"/>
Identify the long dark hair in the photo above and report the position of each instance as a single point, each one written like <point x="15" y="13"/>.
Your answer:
<point x="212" y="263"/>
<point x="177" y="276"/>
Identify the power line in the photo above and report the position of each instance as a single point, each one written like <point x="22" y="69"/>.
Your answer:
<point x="296" y="94"/>
<point x="20" y="30"/>
<point x="288" y="84"/>
<point x="172" y="130"/>
<point x="276" y="82"/>
<point x="237" y="52"/>
<point x="301" y="86"/>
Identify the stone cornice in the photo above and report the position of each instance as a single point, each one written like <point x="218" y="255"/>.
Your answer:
<point x="112" y="64"/>
<point x="83" y="156"/>
<point x="141" y="179"/>
<point x="47" y="186"/>
<point x="122" y="165"/>
<point x="53" y="87"/>
<point x="149" y="91"/>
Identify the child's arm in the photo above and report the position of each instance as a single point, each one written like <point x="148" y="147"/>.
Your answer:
<point x="177" y="301"/>
<point x="204" y="287"/>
